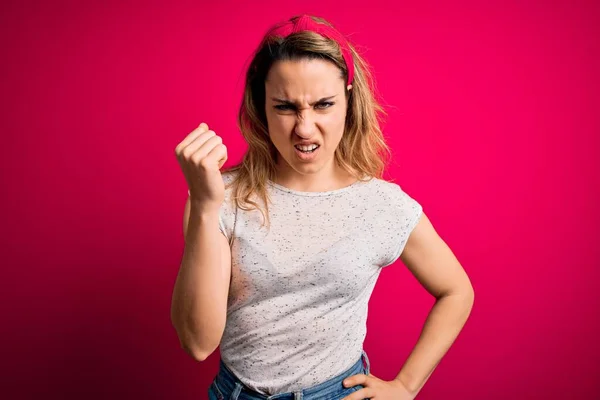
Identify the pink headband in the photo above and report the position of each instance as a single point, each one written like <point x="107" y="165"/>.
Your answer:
<point x="306" y="23"/>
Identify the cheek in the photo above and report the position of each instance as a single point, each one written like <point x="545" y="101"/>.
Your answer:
<point x="280" y="124"/>
<point x="334" y="121"/>
<point x="334" y="125"/>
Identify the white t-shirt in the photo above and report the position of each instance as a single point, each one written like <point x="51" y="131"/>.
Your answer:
<point x="299" y="293"/>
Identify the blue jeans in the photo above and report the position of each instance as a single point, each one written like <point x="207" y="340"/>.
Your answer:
<point x="226" y="386"/>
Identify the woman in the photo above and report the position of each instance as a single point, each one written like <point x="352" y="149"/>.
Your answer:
<point x="307" y="223"/>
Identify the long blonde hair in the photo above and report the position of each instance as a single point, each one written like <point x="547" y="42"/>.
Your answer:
<point x="362" y="151"/>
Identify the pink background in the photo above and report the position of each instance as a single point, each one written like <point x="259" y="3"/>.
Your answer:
<point x="493" y="119"/>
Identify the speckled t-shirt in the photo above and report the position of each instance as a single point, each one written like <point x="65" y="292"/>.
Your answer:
<point x="299" y="292"/>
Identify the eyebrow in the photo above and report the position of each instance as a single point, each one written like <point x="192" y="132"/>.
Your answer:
<point x="312" y="104"/>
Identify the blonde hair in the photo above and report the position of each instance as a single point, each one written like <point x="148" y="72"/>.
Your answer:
<point x="362" y="151"/>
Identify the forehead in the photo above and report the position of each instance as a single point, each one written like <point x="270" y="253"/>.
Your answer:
<point x="304" y="78"/>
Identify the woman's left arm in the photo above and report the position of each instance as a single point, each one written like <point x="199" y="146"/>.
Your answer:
<point x="436" y="267"/>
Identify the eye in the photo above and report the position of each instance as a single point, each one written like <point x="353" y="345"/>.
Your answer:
<point x="327" y="104"/>
<point x="322" y="106"/>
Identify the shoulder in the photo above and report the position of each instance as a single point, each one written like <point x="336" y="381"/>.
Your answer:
<point x="391" y="193"/>
<point x="228" y="176"/>
<point x="228" y="179"/>
<point x="395" y="207"/>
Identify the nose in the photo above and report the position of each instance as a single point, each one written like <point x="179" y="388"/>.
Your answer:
<point x="305" y="125"/>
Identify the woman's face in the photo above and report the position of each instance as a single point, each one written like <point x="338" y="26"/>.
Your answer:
<point x="305" y="103"/>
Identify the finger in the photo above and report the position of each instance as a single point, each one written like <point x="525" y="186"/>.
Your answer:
<point x="218" y="153"/>
<point x="198" y="143"/>
<point x="203" y="127"/>
<point x="358" y="379"/>
<point x="206" y="148"/>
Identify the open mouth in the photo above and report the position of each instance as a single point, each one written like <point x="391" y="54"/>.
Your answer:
<point x="307" y="149"/>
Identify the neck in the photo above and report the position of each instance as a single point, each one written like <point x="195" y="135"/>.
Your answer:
<point x="324" y="180"/>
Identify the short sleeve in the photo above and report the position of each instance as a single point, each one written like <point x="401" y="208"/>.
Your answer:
<point x="405" y="213"/>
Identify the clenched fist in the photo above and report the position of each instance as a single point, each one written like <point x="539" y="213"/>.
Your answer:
<point x="201" y="154"/>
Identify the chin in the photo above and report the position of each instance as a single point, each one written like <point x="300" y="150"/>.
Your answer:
<point x="304" y="168"/>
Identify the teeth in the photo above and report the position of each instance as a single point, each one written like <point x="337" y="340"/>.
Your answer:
<point x="307" y="148"/>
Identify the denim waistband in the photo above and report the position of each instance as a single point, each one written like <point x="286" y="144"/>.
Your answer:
<point x="229" y="383"/>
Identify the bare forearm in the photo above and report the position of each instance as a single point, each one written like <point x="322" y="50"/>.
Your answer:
<point x="443" y="324"/>
<point x="199" y="304"/>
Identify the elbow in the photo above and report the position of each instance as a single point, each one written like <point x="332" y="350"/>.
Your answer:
<point x="468" y="300"/>
<point x="463" y="296"/>
<point x="466" y="292"/>
<point x="470" y="294"/>
<point x="196" y="343"/>
<point x="197" y="354"/>
<point x="199" y="351"/>
<point x="468" y="297"/>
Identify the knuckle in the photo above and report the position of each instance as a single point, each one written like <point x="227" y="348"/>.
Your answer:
<point x="204" y="163"/>
<point x="186" y="153"/>
<point x="196" y="158"/>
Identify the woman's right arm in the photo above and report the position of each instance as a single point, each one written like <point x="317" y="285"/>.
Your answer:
<point x="199" y="303"/>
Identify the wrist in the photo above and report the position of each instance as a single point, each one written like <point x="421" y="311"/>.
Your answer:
<point x="406" y="388"/>
<point x="202" y="213"/>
